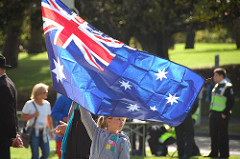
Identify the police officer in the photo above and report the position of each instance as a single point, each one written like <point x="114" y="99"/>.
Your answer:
<point x="222" y="101"/>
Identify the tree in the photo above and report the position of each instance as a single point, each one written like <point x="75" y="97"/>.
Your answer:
<point x="221" y="14"/>
<point x="12" y="20"/>
<point x="36" y="41"/>
<point x="151" y="22"/>
<point x="157" y="21"/>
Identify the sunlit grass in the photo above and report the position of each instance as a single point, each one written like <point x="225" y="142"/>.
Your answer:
<point x="203" y="54"/>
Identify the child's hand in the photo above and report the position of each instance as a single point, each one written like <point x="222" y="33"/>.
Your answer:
<point x="60" y="129"/>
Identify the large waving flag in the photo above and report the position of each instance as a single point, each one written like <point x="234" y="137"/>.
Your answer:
<point x="110" y="78"/>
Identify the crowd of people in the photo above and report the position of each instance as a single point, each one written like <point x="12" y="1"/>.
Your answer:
<point x="79" y="136"/>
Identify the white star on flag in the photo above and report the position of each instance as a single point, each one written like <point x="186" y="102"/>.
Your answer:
<point x="161" y="74"/>
<point x="58" y="71"/>
<point x="171" y="99"/>
<point x="153" y="108"/>
<point x="126" y="85"/>
<point x="132" y="107"/>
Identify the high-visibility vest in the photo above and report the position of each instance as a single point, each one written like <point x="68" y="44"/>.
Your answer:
<point x="218" y="100"/>
<point x="195" y="115"/>
<point x="167" y="134"/>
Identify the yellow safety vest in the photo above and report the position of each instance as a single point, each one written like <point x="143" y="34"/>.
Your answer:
<point x="218" y="100"/>
<point x="195" y="115"/>
<point x="167" y="134"/>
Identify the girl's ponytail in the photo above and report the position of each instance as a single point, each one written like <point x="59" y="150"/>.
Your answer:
<point x="102" y="122"/>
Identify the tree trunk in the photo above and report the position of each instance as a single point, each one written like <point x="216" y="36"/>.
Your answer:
<point x="163" y="44"/>
<point x="190" y="39"/>
<point x="236" y="28"/>
<point x="36" y="42"/>
<point x="238" y="42"/>
<point x="155" y="43"/>
<point x="11" y="47"/>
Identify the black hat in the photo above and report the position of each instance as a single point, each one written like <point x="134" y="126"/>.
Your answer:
<point x="3" y="62"/>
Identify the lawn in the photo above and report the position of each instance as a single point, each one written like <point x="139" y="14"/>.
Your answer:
<point x="23" y="153"/>
<point x="203" y="55"/>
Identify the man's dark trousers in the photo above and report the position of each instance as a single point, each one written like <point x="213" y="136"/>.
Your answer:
<point x="219" y="134"/>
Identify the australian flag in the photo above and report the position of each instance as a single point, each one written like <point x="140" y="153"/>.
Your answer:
<point x="110" y="78"/>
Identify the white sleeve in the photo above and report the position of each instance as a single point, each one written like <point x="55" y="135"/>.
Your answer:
<point x="28" y="108"/>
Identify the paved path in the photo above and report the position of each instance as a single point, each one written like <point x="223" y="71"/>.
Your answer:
<point x="203" y="143"/>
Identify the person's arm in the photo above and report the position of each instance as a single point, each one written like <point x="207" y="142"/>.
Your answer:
<point x="230" y="100"/>
<point x="7" y="117"/>
<point x="27" y="117"/>
<point x="88" y="121"/>
<point x="49" y="122"/>
<point x="50" y="125"/>
<point x="71" y="110"/>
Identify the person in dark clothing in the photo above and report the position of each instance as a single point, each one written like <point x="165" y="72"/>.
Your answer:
<point x="161" y="136"/>
<point x="76" y="142"/>
<point x="186" y="145"/>
<point x="222" y="101"/>
<point x="8" y="117"/>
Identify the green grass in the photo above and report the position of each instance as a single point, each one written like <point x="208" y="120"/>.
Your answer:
<point x="32" y="69"/>
<point x="203" y="55"/>
<point x="23" y="153"/>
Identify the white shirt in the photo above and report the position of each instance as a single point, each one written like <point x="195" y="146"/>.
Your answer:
<point x="44" y="111"/>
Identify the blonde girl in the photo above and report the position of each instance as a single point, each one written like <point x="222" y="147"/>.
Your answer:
<point x="107" y="141"/>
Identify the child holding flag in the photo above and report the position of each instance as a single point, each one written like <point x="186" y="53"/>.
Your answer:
<point x="107" y="141"/>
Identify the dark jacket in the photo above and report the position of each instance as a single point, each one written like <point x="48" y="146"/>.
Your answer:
<point x="8" y="117"/>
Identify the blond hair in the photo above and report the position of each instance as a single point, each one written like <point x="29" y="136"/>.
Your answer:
<point x="102" y="122"/>
<point x="38" y="89"/>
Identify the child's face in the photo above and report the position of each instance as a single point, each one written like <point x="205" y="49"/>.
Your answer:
<point x="116" y="123"/>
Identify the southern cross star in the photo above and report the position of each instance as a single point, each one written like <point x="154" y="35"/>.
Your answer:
<point x="58" y="70"/>
<point x="161" y="74"/>
<point x="132" y="107"/>
<point x="171" y="99"/>
<point x="126" y="85"/>
<point x="153" y="108"/>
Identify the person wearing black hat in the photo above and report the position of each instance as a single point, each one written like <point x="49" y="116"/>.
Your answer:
<point x="8" y="117"/>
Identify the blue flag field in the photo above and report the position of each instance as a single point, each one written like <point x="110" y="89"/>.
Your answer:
<point x="107" y="77"/>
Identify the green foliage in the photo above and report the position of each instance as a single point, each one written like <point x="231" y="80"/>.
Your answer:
<point x="219" y="14"/>
<point x="216" y="12"/>
<point x="213" y="36"/>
